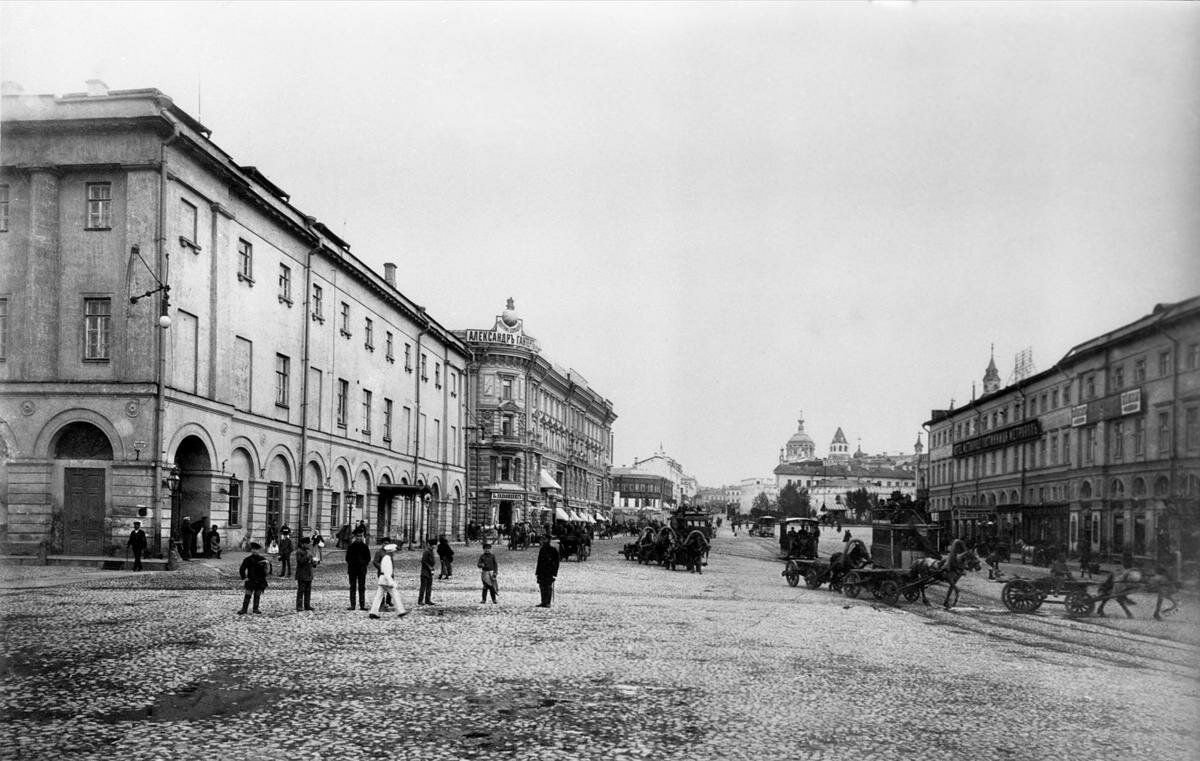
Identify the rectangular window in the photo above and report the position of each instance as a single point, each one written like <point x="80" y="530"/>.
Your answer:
<point x="506" y="387"/>
<point x="335" y="507"/>
<point x="391" y="356"/>
<point x="282" y="373"/>
<point x="234" y="517"/>
<point x="1139" y="371"/>
<point x="369" y="334"/>
<point x="318" y="310"/>
<point x="3" y="329"/>
<point x="424" y="367"/>
<point x="189" y="224"/>
<point x="1164" y="434"/>
<point x="437" y="374"/>
<point x="1118" y="440"/>
<point x="1089" y="387"/>
<point x="387" y="419"/>
<point x="1119" y="378"/>
<point x="342" y="392"/>
<point x="1164" y="364"/>
<point x="1139" y="436"/>
<point x="1066" y="394"/>
<point x="3" y="208"/>
<point x="407" y="432"/>
<point x="408" y="357"/>
<point x="345" y="328"/>
<point x="505" y="469"/>
<point x="437" y="439"/>
<point x="245" y="261"/>
<point x="1193" y="356"/>
<point x="1053" y="450"/>
<point x="1054" y="399"/>
<point x="453" y="383"/>
<point x="1191" y="428"/>
<point x="1088" y="445"/>
<point x="97" y="328"/>
<point x="99" y="205"/>
<point x="285" y="284"/>
<point x="306" y="508"/>
<point x="1066" y="448"/>
<point x="366" y="418"/>
<point x="274" y="502"/>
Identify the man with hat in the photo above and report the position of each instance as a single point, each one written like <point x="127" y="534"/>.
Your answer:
<point x="387" y="583"/>
<point x="427" y="564"/>
<point x="137" y="544"/>
<point x="547" y="570"/>
<point x="358" y="558"/>
<point x="254" y="569"/>
<point x="305" y="562"/>
<point x="487" y="573"/>
<point x="285" y="551"/>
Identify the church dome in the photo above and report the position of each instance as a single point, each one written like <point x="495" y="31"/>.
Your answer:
<point x="800" y="446"/>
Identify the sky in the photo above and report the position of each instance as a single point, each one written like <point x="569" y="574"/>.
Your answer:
<point x="722" y="215"/>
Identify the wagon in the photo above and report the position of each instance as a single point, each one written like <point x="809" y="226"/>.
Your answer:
<point x="814" y="571"/>
<point x="884" y="584"/>
<point x="1022" y="595"/>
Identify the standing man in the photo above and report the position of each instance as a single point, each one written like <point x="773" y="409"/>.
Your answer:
<point x="285" y="552"/>
<point x="254" y="569"/>
<point x="187" y="538"/>
<point x="358" y="558"/>
<point x="488" y="572"/>
<point x="137" y="544"/>
<point x="427" y="564"/>
<point x="305" y="563"/>
<point x="446" y="555"/>
<point x="386" y="583"/>
<point x="547" y="570"/>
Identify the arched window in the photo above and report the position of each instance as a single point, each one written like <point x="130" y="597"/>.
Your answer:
<point x="1085" y="490"/>
<point x="82" y="441"/>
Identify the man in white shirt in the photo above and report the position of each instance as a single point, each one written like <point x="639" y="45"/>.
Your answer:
<point x="387" y="583"/>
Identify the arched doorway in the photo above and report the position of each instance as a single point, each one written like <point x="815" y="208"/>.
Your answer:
<point x="84" y="488"/>
<point x="191" y="501"/>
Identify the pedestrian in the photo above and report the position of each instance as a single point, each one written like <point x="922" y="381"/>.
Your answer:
<point x="137" y="544"/>
<point x="214" y="542"/>
<point x="1085" y="558"/>
<point x="488" y="573"/>
<point x="363" y="525"/>
<point x="305" y="563"/>
<point x="377" y="561"/>
<point x="846" y="538"/>
<point x="254" y="569"/>
<point x="386" y="583"/>
<point x="343" y="537"/>
<point x="187" y="538"/>
<point x="285" y="552"/>
<point x="272" y="533"/>
<point x="428" y="561"/>
<point x="546" y="571"/>
<point x="358" y="558"/>
<point x="446" y="555"/>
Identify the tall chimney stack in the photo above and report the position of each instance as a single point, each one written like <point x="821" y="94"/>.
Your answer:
<point x="389" y="274"/>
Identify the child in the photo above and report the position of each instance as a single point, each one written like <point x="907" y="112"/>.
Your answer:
<point x="487" y="573"/>
<point x="254" y="569"/>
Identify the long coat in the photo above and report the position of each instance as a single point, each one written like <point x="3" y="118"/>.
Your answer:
<point x="255" y="569"/>
<point x="304" y="564"/>
<point x="547" y="564"/>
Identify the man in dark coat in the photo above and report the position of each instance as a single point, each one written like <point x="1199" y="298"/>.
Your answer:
<point x="304" y="575"/>
<point x="137" y="544"/>
<point x="547" y="570"/>
<point x="446" y="554"/>
<point x="187" y="538"/>
<point x="427" y="563"/>
<point x="254" y="569"/>
<point x="358" y="558"/>
<point x="285" y="551"/>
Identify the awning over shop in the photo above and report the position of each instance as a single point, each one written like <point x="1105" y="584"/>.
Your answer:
<point x="561" y="514"/>
<point x="600" y="517"/>
<point x="587" y="517"/>
<point x="545" y="481"/>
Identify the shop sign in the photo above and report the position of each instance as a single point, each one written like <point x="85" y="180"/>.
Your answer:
<point x="1014" y="434"/>
<point x="501" y="337"/>
<point x="1107" y="408"/>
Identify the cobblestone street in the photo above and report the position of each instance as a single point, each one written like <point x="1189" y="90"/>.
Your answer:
<point x="632" y="661"/>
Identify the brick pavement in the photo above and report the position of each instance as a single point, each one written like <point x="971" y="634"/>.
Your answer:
<point x="632" y="662"/>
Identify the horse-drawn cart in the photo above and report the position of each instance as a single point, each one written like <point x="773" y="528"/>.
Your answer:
<point x="1021" y="595"/>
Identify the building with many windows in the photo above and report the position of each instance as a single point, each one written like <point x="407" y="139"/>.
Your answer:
<point x="1102" y="448"/>
<point x="179" y="340"/>
<point x="539" y="438"/>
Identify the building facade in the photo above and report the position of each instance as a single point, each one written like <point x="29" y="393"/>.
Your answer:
<point x="1103" y="448"/>
<point x="179" y="340"/>
<point x="539" y="439"/>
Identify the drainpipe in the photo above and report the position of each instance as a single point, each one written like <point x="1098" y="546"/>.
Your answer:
<point x="417" y="523"/>
<point x="160" y="363"/>
<point x="304" y="304"/>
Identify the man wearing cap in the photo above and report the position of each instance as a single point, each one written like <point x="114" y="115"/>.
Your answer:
<point x="137" y="544"/>
<point x="305" y="562"/>
<point x="427" y="563"/>
<point x="487" y="573"/>
<point x="547" y="570"/>
<point x="254" y="569"/>
<point x="387" y="583"/>
<point x="358" y="557"/>
<point x="285" y="551"/>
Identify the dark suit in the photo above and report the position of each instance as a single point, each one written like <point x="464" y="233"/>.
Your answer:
<point x="137" y="544"/>
<point x="358" y="557"/>
<point x="546" y="572"/>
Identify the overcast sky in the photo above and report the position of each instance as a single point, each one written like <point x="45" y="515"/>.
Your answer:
<point x="719" y="214"/>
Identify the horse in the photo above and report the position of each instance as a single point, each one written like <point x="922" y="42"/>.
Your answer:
<point x="855" y="555"/>
<point x="664" y="547"/>
<point x="930" y="570"/>
<point x="695" y="551"/>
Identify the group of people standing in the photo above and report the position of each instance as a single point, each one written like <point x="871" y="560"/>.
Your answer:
<point x="360" y="561"/>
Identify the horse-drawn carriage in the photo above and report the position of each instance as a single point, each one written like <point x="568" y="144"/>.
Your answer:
<point x="577" y="545"/>
<point x="1022" y="595"/>
<point x="816" y="571"/>
<point x="666" y="547"/>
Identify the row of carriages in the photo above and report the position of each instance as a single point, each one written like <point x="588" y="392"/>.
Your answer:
<point x="682" y="544"/>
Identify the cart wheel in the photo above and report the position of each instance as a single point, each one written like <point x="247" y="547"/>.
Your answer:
<point x="912" y="592"/>
<point x="1021" y="596"/>
<point x="793" y="579"/>
<point x="888" y="591"/>
<point x="1079" y="604"/>
<point x="852" y="584"/>
<point x="812" y="579"/>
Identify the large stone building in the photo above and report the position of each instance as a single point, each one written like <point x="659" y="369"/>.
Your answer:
<point x="652" y="487"/>
<point x="828" y="480"/>
<point x="1101" y="448"/>
<point x="540" y="441"/>
<point x="178" y="339"/>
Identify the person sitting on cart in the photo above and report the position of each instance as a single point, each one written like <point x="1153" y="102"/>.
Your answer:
<point x="1117" y="586"/>
<point x="1058" y="566"/>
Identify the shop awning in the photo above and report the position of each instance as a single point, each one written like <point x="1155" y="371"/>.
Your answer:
<point x="600" y="517"/>
<point x="587" y="518"/>
<point x="545" y="481"/>
<point x="561" y="514"/>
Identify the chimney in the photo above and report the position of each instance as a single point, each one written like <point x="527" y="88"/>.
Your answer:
<point x="389" y="274"/>
<point x="96" y="88"/>
<point x="9" y="87"/>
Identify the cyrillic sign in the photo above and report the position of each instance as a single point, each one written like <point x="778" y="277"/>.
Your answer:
<point x="1014" y="434"/>
<point x="1107" y="408"/>
<point x="500" y="337"/>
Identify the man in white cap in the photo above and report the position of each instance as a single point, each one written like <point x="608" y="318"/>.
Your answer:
<point x="387" y="583"/>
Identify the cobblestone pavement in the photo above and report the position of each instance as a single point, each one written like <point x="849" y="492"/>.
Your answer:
<point x="632" y="662"/>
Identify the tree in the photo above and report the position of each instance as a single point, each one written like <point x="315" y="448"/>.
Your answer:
<point x="761" y="505"/>
<point x="860" y="503"/>
<point x="794" y="503"/>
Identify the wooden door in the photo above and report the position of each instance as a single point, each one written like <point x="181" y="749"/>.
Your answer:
<point x="83" y="511"/>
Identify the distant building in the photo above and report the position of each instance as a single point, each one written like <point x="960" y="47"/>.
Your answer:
<point x="671" y="487"/>
<point x="1102" y="448"/>
<point x="540" y="442"/>
<point x="751" y="488"/>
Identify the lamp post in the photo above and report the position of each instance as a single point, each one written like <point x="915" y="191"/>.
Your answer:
<point x="164" y="322"/>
